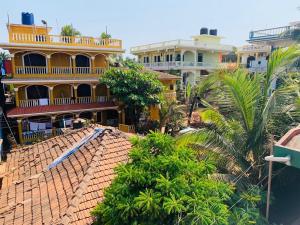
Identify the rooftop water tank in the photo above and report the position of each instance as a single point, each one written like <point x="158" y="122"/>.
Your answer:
<point x="203" y="30"/>
<point x="213" y="32"/>
<point x="27" y="18"/>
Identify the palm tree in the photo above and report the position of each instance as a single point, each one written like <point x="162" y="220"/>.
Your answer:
<point x="105" y="35"/>
<point x="240" y="111"/>
<point x="69" y="30"/>
<point x="171" y="116"/>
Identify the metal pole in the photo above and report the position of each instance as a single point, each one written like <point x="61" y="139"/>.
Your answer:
<point x="269" y="183"/>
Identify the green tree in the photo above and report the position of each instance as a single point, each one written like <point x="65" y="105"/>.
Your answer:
<point x="166" y="184"/>
<point x="69" y="30"/>
<point x="241" y="110"/>
<point x="135" y="87"/>
<point x="105" y="35"/>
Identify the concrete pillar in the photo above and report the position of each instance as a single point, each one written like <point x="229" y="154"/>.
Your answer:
<point x="94" y="97"/>
<point x="73" y="64"/>
<point x="93" y="64"/>
<point x="17" y="97"/>
<point x="51" y="95"/>
<point x="95" y="117"/>
<point x="13" y="66"/>
<point x="75" y="92"/>
<point x="53" y="118"/>
<point x="238" y="59"/>
<point x="108" y="93"/>
<point x="49" y="64"/>
<point x="20" y="131"/>
<point x="120" y="116"/>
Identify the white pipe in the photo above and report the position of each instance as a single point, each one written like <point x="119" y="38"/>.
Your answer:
<point x="286" y="160"/>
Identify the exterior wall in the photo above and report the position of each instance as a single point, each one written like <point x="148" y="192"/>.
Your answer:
<point x="101" y="90"/>
<point x="25" y="29"/>
<point x="154" y="113"/>
<point x="100" y="61"/>
<point x="62" y="91"/>
<point x="22" y="93"/>
<point x="61" y="59"/>
<point x="211" y="58"/>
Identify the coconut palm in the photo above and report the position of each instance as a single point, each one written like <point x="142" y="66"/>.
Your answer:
<point x="171" y="116"/>
<point x="240" y="110"/>
<point x="69" y="30"/>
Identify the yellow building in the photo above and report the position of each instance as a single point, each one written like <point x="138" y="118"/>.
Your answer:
<point x="56" y="79"/>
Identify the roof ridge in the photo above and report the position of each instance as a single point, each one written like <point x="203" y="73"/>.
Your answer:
<point x="85" y="181"/>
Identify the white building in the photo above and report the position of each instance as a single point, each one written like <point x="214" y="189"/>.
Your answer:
<point x="190" y="58"/>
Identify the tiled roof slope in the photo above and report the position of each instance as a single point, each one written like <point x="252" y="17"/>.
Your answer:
<point x="65" y="194"/>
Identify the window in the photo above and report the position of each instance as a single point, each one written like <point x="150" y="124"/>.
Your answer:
<point x="155" y="58"/>
<point x="178" y="58"/>
<point x="172" y="87"/>
<point x="146" y="59"/>
<point x="158" y="58"/>
<point x="167" y="58"/>
<point x="200" y="57"/>
<point x="171" y="58"/>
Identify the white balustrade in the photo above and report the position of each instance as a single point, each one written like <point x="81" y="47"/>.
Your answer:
<point x="84" y="100"/>
<point x="99" y="70"/>
<point x="63" y="101"/>
<point x="61" y="70"/>
<point x="102" y="99"/>
<point x="31" y="70"/>
<point x="29" y="103"/>
<point x="82" y="70"/>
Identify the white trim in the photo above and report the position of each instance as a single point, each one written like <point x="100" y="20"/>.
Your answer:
<point x="62" y="112"/>
<point x="27" y="81"/>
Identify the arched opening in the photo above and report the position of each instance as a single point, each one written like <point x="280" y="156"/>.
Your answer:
<point x="249" y="61"/>
<point x="101" y="93"/>
<point x="189" y="57"/>
<point x="64" y="121"/>
<point x="82" y="64"/>
<point x="100" y="64"/>
<point x="38" y="124"/>
<point x="61" y="63"/>
<point x="110" y="118"/>
<point x="86" y="115"/>
<point x="34" y="59"/>
<point x="63" y="94"/>
<point x="84" y="90"/>
<point x="37" y="92"/>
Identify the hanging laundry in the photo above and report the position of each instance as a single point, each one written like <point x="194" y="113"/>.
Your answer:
<point x="48" y="125"/>
<point x="42" y="126"/>
<point x="68" y="122"/>
<point x="7" y="66"/>
<point x="43" y="101"/>
<point x="33" y="126"/>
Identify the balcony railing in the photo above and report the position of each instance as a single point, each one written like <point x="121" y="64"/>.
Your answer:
<point x="31" y="136"/>
<point x="178" y="65"/>
<point x="63" y="101"/>
<point x="76" y="41"/>
<point x="34" y="102"/>
<point x="102" y="99"/>
<point x="171" y="95"/>
<point x="84" y="100"/>
<point x="20" y="70"/>
<point x="31" y="70"/>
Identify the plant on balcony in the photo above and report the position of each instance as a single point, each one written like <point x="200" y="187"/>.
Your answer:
<point x="135" y="87"/>
<point x="166" y="184"/>
<point x="69" y="30"/>
<point x="105" y="35"/>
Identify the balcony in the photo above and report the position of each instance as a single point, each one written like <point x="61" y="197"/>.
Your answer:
<point x="43" y="72"/>
<point x="179" y="65"/>
<point x="58" y="40"/>
<point x="278" y="33"/>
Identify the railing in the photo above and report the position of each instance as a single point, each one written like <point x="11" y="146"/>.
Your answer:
<point x="31" y="136"/>
<point x="82" y="70"/>
<point x="127" y="128"/>
<point x="255" y="48"/>
<point x="63" y="101"/>
<point x="64" y="40"/>
<point x="99" y="70"/>
<point x="285" y="32"/>
<point x="178" y="64"/>
<point x="181" y="43"/>
<point x="102" y="99"/>
<point x="29" y="103"/>
<point x="61" y="70"/>
<point x="84" y="100"/>
<point x="31" y="70"/>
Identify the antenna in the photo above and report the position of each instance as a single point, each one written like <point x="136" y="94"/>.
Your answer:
<point x="106" y="29"/>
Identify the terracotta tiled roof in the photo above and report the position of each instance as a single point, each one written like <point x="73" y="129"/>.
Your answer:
<point x="65" y="194"/>
<point x="53" y="109"/>
<point x="166" y="76"/>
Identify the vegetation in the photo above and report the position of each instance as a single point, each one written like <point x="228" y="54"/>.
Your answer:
<point x="135" y="87"/>
<point x="242" y="111"/>
<point x="69" y="30"/>
<point x="167" y="184"/>
<point x="105" y="35"/>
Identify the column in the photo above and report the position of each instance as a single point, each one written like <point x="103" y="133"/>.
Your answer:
<point x="196" y="57"/>
<point x="120" y="116"/>
<point x="238" y="59"/>
<point x="93" y="64"/>
<point x="95" y="117"/>
<point x="49" y="64"/>
<point x="13" y="66"/>
<point x="53" y="118"/>
<point x="75" y="92"/>
<point x="73" y="64"/>
<point x="123" y="116"/>
<point x="51" y="95"/>
<point x="181" y="58"/>
<point x="108" y="93"/>
<point x="94" y="97"/>
<point x="20" y="130"/>
<point x="17" y="97"/>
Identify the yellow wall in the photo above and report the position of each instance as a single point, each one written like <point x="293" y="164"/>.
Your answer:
<point x="22" y="95"/>
<point x="19" y="28"/>
<point x="154" y="112"/>
<point x="18" y="59"/>
<point x="100" y="61"/>
<point x="60" y="59"/>
<point x="62" y="91"/>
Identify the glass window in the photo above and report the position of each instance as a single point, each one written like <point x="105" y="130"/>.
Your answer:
<point x="200" y="57"/>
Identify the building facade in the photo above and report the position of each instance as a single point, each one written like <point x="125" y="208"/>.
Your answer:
<point x="191" y="59"/>
<point x="56" y="78"/>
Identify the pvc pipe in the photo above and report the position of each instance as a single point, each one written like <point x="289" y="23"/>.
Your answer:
<point x="286" y="160"/>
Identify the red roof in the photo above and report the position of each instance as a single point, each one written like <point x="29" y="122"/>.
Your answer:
<point x="33" y="193"/>
<point x="54" y="109"/>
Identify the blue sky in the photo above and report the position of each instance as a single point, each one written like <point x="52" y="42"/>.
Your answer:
<point x="140" y="22"/>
